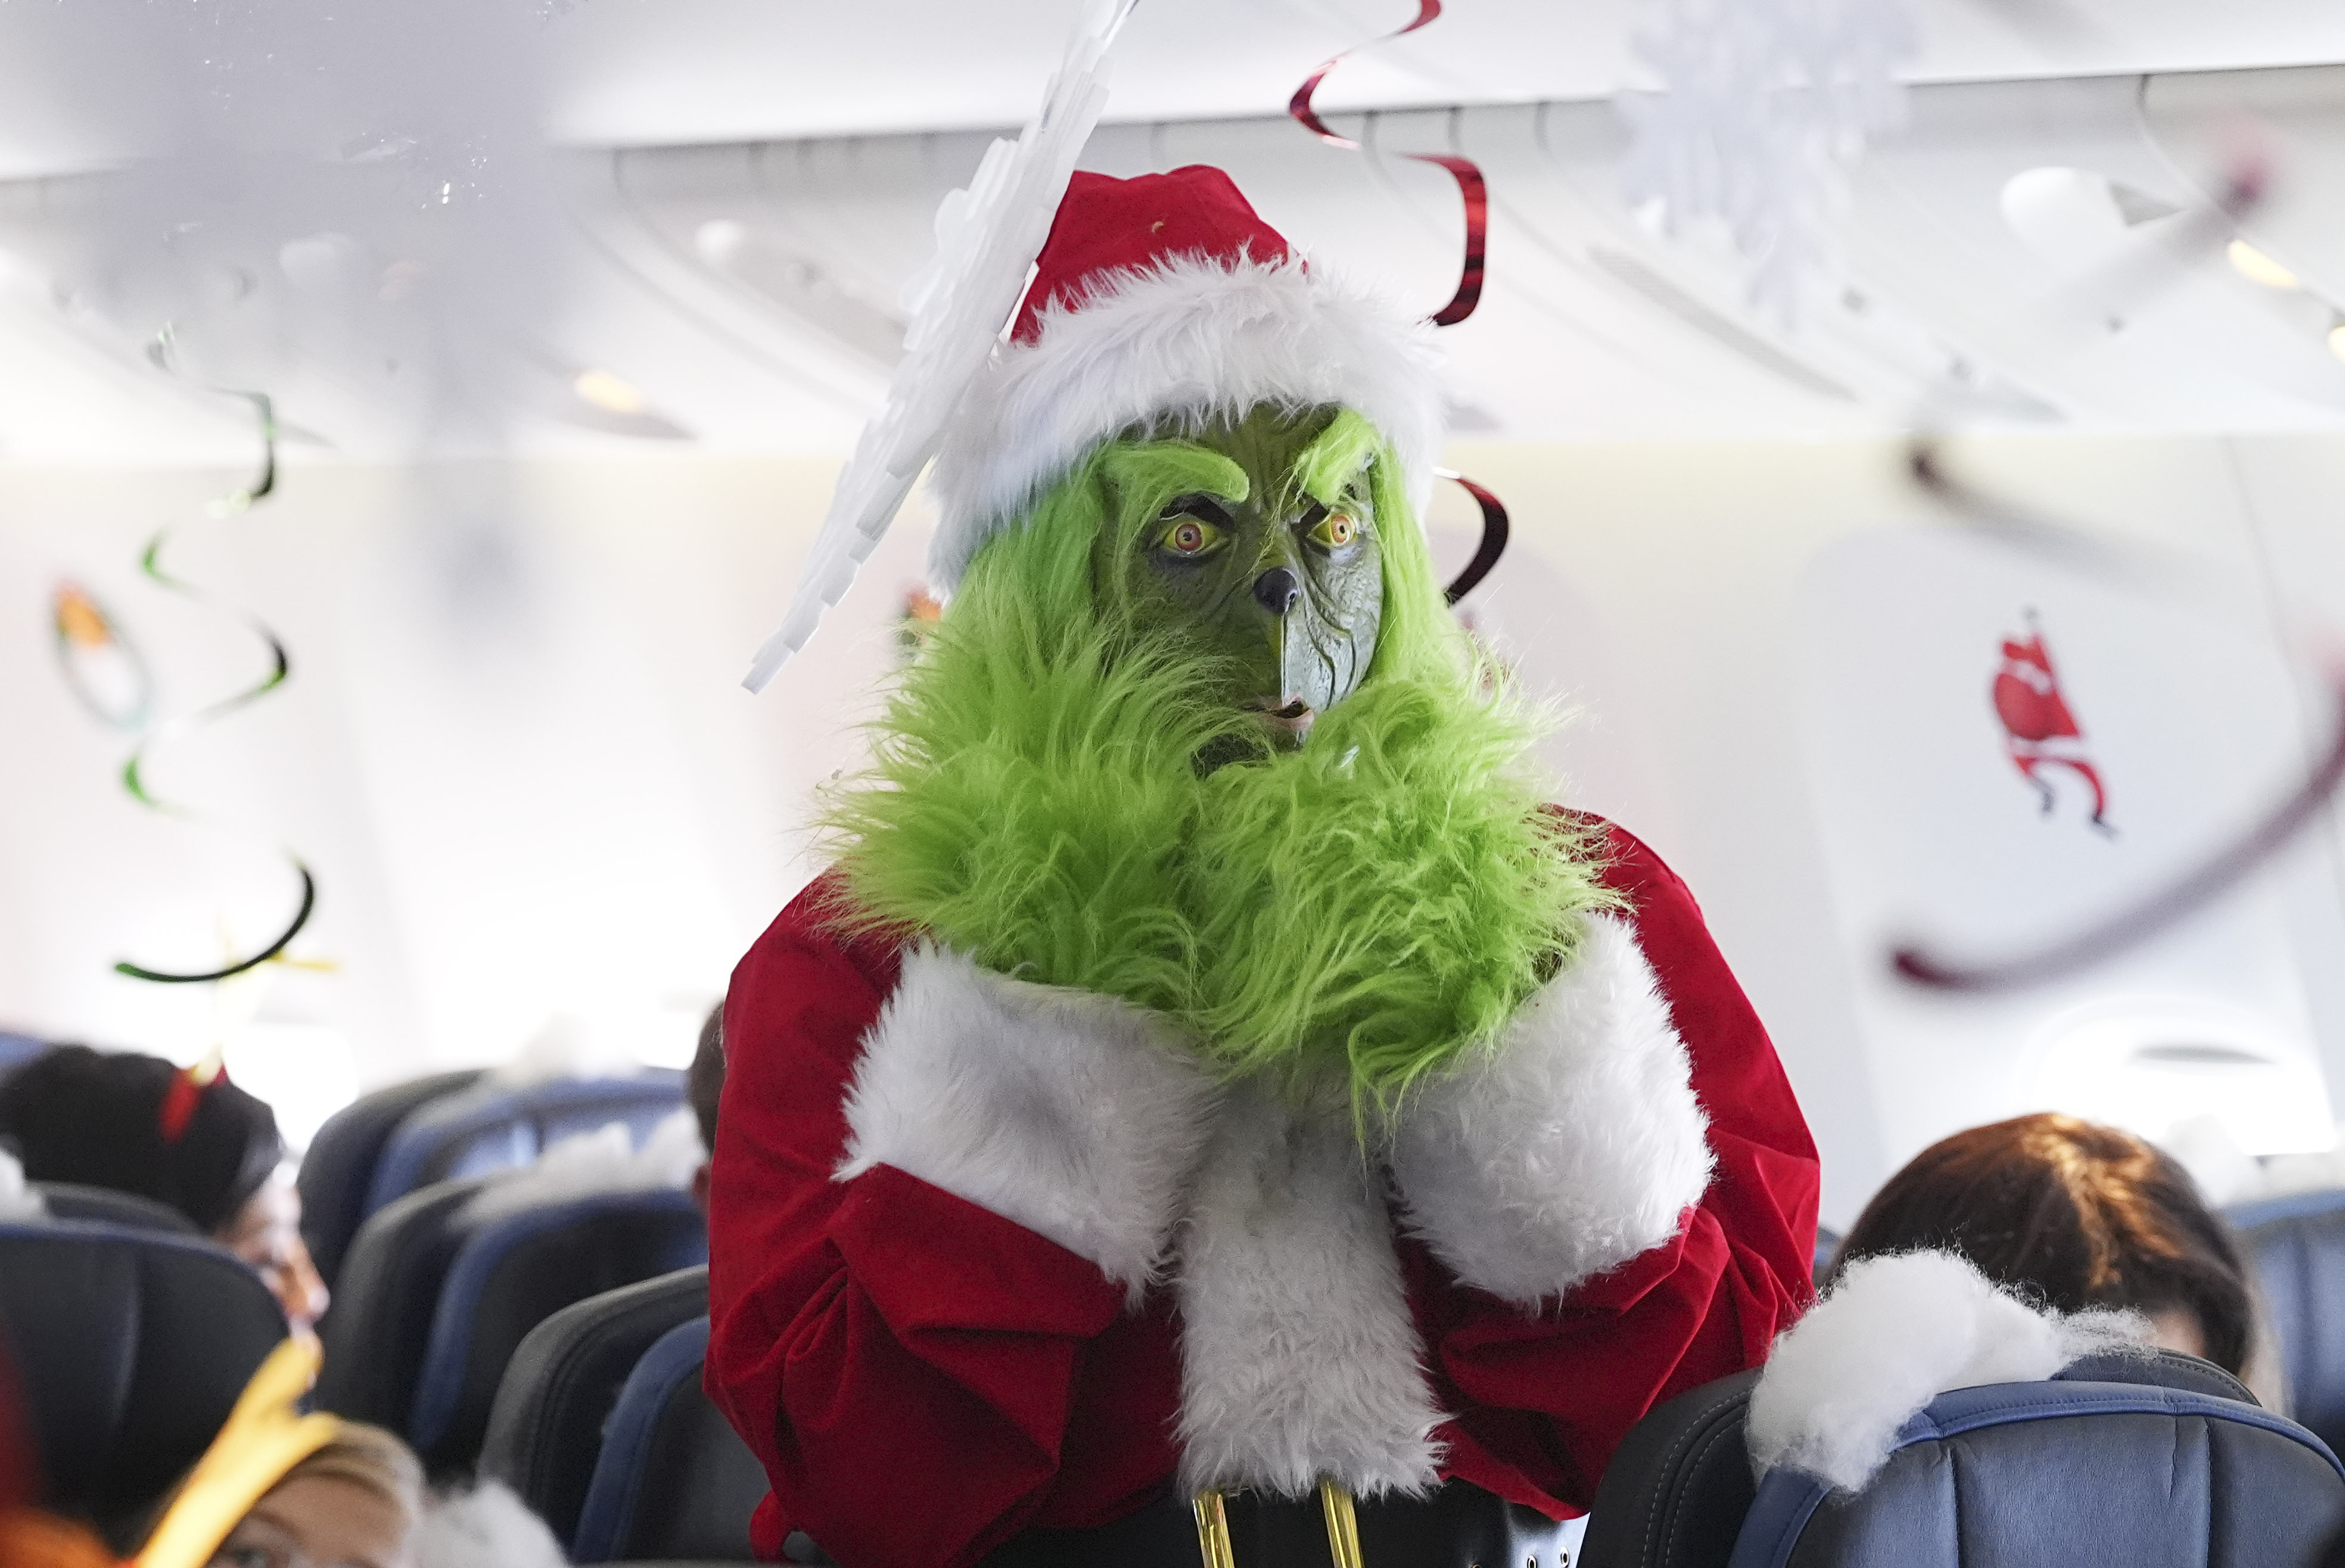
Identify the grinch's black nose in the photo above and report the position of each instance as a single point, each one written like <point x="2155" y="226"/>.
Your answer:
<point x="1276" y="590"/>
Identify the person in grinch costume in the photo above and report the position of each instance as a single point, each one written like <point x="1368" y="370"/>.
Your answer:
<point x="1214" y="1102"/>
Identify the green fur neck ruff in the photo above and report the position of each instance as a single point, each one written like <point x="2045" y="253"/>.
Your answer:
<point x="1358" y="911"/>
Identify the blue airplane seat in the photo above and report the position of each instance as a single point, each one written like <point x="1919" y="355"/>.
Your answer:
<point x="488" y="1128"/>
<point x="2142" y="1460"/>
<point x="437" y="1299"/>
<point x="546" y="1427"/>
<point x="129" y="1348"/>
<point x="18" y="1049"/>
<point x="2297" y="1248"/>
<point x="72" y="1203"/>
<point x="338" y="1170"/>
<point x="674" y="1481"/>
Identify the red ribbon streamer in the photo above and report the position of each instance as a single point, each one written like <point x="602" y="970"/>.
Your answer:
<point x="1495" y="529"/>
<point x="1470" y="184"/>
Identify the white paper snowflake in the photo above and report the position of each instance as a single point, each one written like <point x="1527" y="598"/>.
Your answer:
<point x="1765" y="107"/>
<point x="986" y="239"/>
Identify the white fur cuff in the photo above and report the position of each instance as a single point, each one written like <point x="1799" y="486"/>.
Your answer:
<point x="1076" y="1116"/>
<point x="1299" y="1358"/>
<point x="1574" y="1146"/>
<point x="1895" y="1331"/>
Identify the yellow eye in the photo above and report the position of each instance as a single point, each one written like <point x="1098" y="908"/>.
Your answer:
<point x="1335" y="530"/>
<point x="1189" y="536"/>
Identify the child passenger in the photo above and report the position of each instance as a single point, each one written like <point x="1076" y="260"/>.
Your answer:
<point x="356" y="1503"/>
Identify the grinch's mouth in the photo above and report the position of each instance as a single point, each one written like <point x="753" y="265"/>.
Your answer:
<point x="1293" y="719"/>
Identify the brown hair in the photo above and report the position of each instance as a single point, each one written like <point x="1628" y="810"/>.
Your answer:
<point x="372" y="1460"/>
<point x="2074" y="1214"/>
<point x="705" y="1082"/>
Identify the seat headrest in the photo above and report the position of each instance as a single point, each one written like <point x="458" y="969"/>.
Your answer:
<point x="515" y="1272"/>
<point x="130" y="1349"/>
<point x="380" y="1324"/>
<point x="71" y="1201"/>
<point x="546" y="1427"/>
<point x="339" y="1167"/>
<point x="490" y="1127"/>
<point x="674" y="1481"/>
<point x="2064" y="1472"/>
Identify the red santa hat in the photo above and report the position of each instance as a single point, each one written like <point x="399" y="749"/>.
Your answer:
<point x="1160" y="302"/>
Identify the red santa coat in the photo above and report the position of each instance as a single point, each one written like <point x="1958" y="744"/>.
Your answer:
<point x="931" y="1351"/>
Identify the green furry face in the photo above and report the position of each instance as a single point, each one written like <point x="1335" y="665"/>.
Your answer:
<point x="1361" y="909"/>
<point x="1269" y="560"/>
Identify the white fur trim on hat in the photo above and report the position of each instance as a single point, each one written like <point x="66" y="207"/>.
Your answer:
<point x="1299" y="1358"/>
<point x="1574" y="1146"/>
<point x="1173" y="345"/>
<point x="1077" y="1115"/>
<point x="1893" y="1332"/>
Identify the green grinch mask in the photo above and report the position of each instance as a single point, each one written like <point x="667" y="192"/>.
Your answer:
<point x="1265" y="554"/>
<point x="1365" y="906"/>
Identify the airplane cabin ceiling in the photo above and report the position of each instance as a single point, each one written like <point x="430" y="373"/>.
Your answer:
<point x="745" y="188"/>
<point x="659" y="71"/>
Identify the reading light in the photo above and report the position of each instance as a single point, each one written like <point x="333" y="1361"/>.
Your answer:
<point x="608" y="392"/>
<point x="2257" y="268"/>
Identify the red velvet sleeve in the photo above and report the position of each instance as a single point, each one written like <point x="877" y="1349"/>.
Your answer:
<point x="901" y="1361"/>
<point x="1548" y="1399"/>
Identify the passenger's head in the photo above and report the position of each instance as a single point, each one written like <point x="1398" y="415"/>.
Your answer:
<point x="703" y="1085"/>
<point x="97" y="1119"/>
<point x="2079" y="1216"/>
<point x="357" y="1503"/>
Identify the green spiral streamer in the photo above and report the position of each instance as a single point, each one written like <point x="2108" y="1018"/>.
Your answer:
<point x="280" y="668"/>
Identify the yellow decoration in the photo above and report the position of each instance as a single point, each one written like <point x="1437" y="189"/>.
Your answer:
<point x="265" y="1437"/>
<point x="1343" y="1523"/>
<point x="1212" y="1530"/>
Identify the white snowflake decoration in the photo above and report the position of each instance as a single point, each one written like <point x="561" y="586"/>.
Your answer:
<point x="1765" y="105"/>
<point x="986" y="239"/>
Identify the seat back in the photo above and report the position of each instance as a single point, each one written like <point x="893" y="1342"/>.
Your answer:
<point x="674" y="1480"/>
<point x="508" y="1275"/>
<point x="2297" y="1247"/>
<point x="488" y="1128"/>
<point x="338" y="1170"/>
<point x="1679" y="1489"/>
<point x="1679" y="1484"/>
<point x="376" y="1336"/>
<point x="546" y="1427"/>
<point x="130" y="1348"/>
<point x="71" y="1201"/>
<point x="2066" y="1471"/>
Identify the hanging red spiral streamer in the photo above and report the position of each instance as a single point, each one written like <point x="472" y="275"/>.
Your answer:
<point x="1475" y="193"/>
<point x="1468" y="176"/>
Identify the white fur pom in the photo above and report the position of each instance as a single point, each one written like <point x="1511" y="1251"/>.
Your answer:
<point x="1077" y="1115"/>
<point x="1177" y="343"/>
<point x="1894" y="1332"/>
<point x="487" y="1527"/>
<point x="587" y="1163"/>
<point x="18" y="1202"/>
<point x="1299" y="1358"/>
<point x="1572" y="1147"/>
